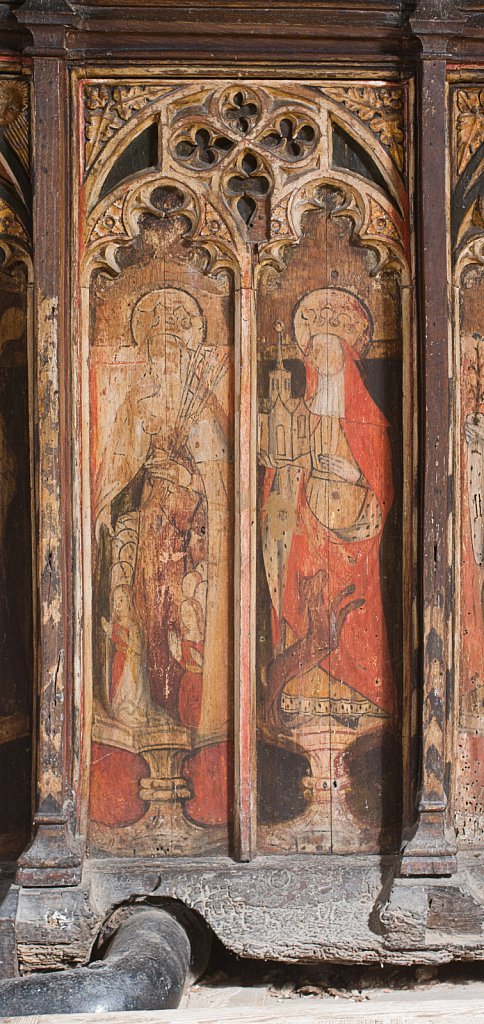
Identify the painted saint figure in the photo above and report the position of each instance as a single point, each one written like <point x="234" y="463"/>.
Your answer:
<point x="162" y="496"/>
<point x="324" y="504"/>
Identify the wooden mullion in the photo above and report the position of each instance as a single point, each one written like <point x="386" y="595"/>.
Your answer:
<point x="53" y="857"/>
<point x="431" y="850"/>
<point x="244" y="591"/>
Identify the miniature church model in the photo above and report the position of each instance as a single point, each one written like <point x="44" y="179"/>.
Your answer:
<point x="284" y="421"/>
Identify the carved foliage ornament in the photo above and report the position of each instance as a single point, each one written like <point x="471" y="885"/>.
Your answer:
<point x="14" y="120"/>
<point x="469" y="124"/>
<point x="109" y="108"/>
<point x="10" y="225"/>
<point x="381" y="108"/>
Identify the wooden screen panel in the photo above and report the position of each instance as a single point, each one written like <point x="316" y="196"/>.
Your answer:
<point x="467" y="167"/>
<point x="196" y="202"/>
<point x="16" y="619"/>
<point x="161" y="464"/>
<point x="470" y="743"/>
<point x="329" y="624"/>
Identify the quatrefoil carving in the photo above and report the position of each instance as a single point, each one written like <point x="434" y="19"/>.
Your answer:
<point x="202" y="148"/>
<point x="240" y="109"/>
<point x="237" y="129"/>
<point x="291" y="138"/>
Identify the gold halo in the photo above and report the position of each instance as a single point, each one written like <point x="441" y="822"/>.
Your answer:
<point x="340" y="310"/>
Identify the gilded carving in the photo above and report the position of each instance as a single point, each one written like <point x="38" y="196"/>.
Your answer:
<point x="380" y="224"/>
<point x="10" y="224"/>
<point x="469" y="124"/>
<point x="14" y="122"/>
<point x="381" y="108"/>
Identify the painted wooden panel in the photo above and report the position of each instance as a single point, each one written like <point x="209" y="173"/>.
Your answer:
<point x="16" y="642"/>
<point x="161" y="463"/>
<point x="468" y="229"/>
<point x="330" y="534"/>
<point x="240" y="247"/>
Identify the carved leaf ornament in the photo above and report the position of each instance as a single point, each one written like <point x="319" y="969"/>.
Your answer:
<point x="469" y="124"/>
<point x="381" y="109"/>
<point x="109" y="108"/>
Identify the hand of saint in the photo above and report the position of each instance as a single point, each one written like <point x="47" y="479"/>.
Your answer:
<point x="336" y="465"/>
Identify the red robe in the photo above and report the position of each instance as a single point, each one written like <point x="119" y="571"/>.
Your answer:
<point x="361" y="659"/>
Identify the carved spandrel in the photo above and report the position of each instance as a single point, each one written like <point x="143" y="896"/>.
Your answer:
<point x="381" y="109"/>
<point x="469" y="125"/>
<point x="109" y="108"/>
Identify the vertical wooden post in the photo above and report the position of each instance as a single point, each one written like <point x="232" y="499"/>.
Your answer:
<point x="245" y="447"/>
<point x="432" y="849"/>
<point x="53" y="858"/>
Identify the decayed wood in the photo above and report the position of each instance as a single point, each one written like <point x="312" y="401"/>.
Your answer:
<point x="51" y="856"/>
<point x="432" y="849"/>
<point x="244" y="910"/>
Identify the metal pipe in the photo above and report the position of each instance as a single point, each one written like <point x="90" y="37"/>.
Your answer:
<point x="144" y="967"/>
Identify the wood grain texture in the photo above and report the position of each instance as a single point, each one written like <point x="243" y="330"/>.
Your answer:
<point x="50" y="850"/>
<point x="190" y="232"/>
<point x="16" y="605"/>
<point x="467" y="164"/>
<point x="396" y="1011"/>
<point x="433" y="834"/>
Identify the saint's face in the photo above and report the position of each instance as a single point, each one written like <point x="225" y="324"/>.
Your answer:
<point x="174" y="323"/>
<point x="121" y="605"/>
<point x="326" y="353"/>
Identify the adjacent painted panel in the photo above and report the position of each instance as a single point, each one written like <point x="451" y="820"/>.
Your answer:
<point x="330" y="547"/>
<point x="467" y="109"/>
<point x="16" y="621"/>
<point x="161" y="465"/>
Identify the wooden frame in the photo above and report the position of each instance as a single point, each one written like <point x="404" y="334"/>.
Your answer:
<point x="328" y="46"/>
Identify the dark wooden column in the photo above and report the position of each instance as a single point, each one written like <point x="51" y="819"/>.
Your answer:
<point x="432" y="849"/>
<point x="54" y="857"/>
